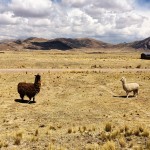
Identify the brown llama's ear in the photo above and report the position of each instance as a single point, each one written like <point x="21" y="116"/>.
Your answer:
<point x="38" y="76"/>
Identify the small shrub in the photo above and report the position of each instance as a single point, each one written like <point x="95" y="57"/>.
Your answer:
<point x="93" y="128"/>
<point x="59" y="126"/>
<point x="34" y="139"/>
<point x="93" y="66"/>
<point x="121" y="130"/>
<point x="108" y="127"/>
<point x="82" y="129"/>
<point x="145" y="133"/>
<point x="128" y="133"/>
<point x="3" y="144"/>
<point x="148" y="144"/>
<point x="122" y="142"/>
<point x="126" y="128"/>
<point x="137" y="148"/>
<point x="138" y="66"/>
<point x="130" y="145"/>
<point x="17" y="138"/>
<point x="52" y="128"/>
<point x="103" y="136"/>
<point x="36" y="132"/>
<point x="137" y="132"/>
<point x="114" y="134"/>
<point x="51" y="147"/>
<point x="110" y="145"/>
<point x="141" y="129"/>
<point x="93" y="146"/>
<point x="69" y="130"/>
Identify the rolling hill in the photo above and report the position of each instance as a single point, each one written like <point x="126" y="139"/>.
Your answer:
<point x="34" y="43"/>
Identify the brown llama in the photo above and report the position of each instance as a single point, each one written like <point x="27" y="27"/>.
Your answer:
<point x="30" y="89"/>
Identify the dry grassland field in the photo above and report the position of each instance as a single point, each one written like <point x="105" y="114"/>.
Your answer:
<point x="82" y="109"/>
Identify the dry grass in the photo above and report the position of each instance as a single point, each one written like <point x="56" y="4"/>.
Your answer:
<point x="74" y="110"/>
<point x="17" y="138"/>
<point x="74" y="59"/>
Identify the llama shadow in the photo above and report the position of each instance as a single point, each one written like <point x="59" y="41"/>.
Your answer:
<point x="24" y="101"/>
<point x="130" y="96"/>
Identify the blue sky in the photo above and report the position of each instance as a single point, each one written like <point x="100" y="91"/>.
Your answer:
<point x="112" y="21"/>
<point x="144" y="4"/>
<point x="143" y="1"/>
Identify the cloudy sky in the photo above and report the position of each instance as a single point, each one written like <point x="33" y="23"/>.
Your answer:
<point x="112" y="21"/>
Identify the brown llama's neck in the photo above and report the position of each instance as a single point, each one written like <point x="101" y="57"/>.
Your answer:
<point x="37" y="84"/>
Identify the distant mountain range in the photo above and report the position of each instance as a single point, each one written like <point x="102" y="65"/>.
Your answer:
<point x="34" y="43"/>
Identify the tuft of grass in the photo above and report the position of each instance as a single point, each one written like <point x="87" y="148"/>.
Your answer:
<point x="138" y="66"/>
<point x="122" y="142"/>
<point x="54" y="147"/>
<point x="70" y="130"/>
<point x="93" y="146"/>
<point x="34" y="139"/>
<point x="52" y="127"/>
<point x="3" y="144"/>
<point x="137" y="132"/>
<point x="130" y="145"/>
<point x="36" y="132"/>
<point x="17" y="138"/>
<point x="108" y="127"/>
<point x="121" y="130"/>
<point x="114" y="134"/>
<point x="82" y="129"/>
<point x="148" y="144"/>
<point x="51" y="147"/>
<point x="145" y="133"/>
<point x="103" y="136"/>
<point x="126" y="128"/>
<point x="59" y="126"/>
<point x="137" y="148"/>
<point x="128" y="133"/>
<point x="110" y="145"/>
<point x="141" y="129"/>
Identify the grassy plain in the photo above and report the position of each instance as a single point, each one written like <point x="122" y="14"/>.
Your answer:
<point x="72" y="59"/>
<point x="75" y="109"/>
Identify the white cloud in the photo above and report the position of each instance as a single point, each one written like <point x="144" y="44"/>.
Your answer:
<point x="128" y="19"/>
<point x="8" y="18"/>
<point x="117" y="5"/>
<point x="30" y="8"/>
<point x="39" y="22"/>
<point x="75" y="3"/>
<point x="107" y="20"/>
<point x="145" y="29"/>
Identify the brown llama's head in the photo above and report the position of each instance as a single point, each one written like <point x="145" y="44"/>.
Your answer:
<point x="37" y="78"/>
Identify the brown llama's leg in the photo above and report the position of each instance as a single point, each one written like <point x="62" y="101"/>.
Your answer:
<point x="22" y="96"/>
<point x="33" y="99"/>
<point x="29" y="100"/>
